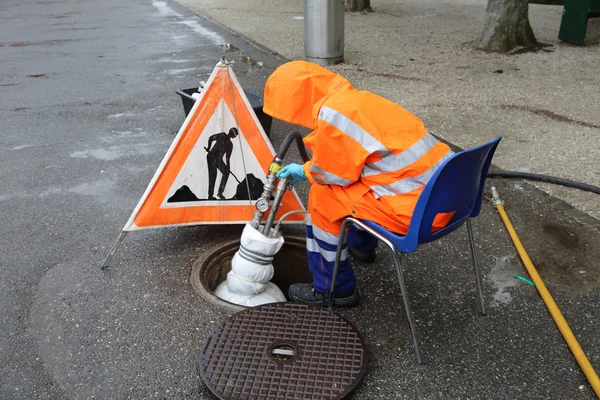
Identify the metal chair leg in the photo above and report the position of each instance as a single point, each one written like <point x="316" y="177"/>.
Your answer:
<point x="477" y="274"/>
<point x="338" y="256"/>
<point x="409" y="317"/>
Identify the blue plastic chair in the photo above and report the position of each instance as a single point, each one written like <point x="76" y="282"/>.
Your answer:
<point x="457" y="186"/>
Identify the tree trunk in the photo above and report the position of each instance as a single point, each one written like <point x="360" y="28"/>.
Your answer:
<point x="358" y="5"/>
<point x="506" y="26"/>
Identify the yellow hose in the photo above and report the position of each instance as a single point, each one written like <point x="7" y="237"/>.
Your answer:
<point x="560" y="321"/>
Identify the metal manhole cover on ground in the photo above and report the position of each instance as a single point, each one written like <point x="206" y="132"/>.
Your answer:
<point x="283" y="351"/>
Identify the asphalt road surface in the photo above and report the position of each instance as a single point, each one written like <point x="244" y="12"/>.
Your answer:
<point x="88" y="109"/>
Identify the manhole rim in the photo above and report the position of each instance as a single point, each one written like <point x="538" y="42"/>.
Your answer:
<point x="218" y="328"/>
<point x="204" y="291"/>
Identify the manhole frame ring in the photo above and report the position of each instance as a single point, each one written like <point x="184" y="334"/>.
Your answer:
<point x="204" y="291"/>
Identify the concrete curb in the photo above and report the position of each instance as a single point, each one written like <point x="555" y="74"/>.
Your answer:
<point x="233" y="32"/>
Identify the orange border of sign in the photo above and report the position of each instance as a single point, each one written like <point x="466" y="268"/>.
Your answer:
<point x="149" y="214"/>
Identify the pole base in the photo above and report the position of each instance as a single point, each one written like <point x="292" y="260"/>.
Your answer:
<point x="325" y="61"/>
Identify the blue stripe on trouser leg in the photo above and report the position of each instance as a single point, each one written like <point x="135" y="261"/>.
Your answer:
<point x="321" y="247"/>
<point x="360" y="240"/>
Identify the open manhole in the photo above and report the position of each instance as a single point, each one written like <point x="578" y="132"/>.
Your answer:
<point x="210" y="269"/>
<point x="283" y="351"/>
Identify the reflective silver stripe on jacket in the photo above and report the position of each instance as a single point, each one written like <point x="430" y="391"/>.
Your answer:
<point x="395" y="162"/>
<point x="353" y="130"/>
<point x="327" y="177"/>
<point x="407" y="185"/>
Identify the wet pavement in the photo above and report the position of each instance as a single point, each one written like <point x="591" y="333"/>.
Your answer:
<point x="88" y="109"/>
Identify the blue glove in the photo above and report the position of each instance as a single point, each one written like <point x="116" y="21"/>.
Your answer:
<point x="296" y="171"/>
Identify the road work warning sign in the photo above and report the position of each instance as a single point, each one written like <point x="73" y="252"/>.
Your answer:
<point x="216" y="166"/>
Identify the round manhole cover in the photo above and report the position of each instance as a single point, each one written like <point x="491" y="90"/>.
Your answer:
<point x="283" y="351"/>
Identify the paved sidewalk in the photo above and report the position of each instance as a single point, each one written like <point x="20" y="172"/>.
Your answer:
<point x="417" y="53"/>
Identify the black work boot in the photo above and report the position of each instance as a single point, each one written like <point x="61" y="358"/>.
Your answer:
<point x="363" y="257"/>
<point x="305" y="293"/>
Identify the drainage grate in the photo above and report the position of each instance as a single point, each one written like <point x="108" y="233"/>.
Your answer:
<point x="283" y="351"/>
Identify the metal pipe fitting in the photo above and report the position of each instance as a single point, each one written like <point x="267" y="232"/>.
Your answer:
<point x="265" y="197"/>
<point x="281" y="188"/>
<point x="496" y="197"/>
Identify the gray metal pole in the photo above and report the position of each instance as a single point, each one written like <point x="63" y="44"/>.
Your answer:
<point x="324" y="31"/>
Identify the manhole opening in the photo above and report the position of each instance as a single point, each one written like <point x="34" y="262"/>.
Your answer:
<point x="290" y="266"/>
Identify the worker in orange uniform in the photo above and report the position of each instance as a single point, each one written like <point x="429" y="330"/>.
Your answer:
<point x="370" y="160"/>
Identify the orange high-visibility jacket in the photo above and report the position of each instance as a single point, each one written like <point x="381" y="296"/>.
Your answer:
<point x="360" y="142"/>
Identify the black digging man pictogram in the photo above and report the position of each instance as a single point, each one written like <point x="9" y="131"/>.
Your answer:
<point x="219" y="146"/>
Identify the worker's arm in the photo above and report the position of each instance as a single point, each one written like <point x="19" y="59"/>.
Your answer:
<point x="338" y="159"/>
<point x="212" y="139"/>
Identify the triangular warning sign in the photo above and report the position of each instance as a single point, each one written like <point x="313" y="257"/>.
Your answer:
<point x="216" y="166"/>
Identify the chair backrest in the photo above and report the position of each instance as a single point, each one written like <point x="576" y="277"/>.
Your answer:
<point x="457" y="186"/>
